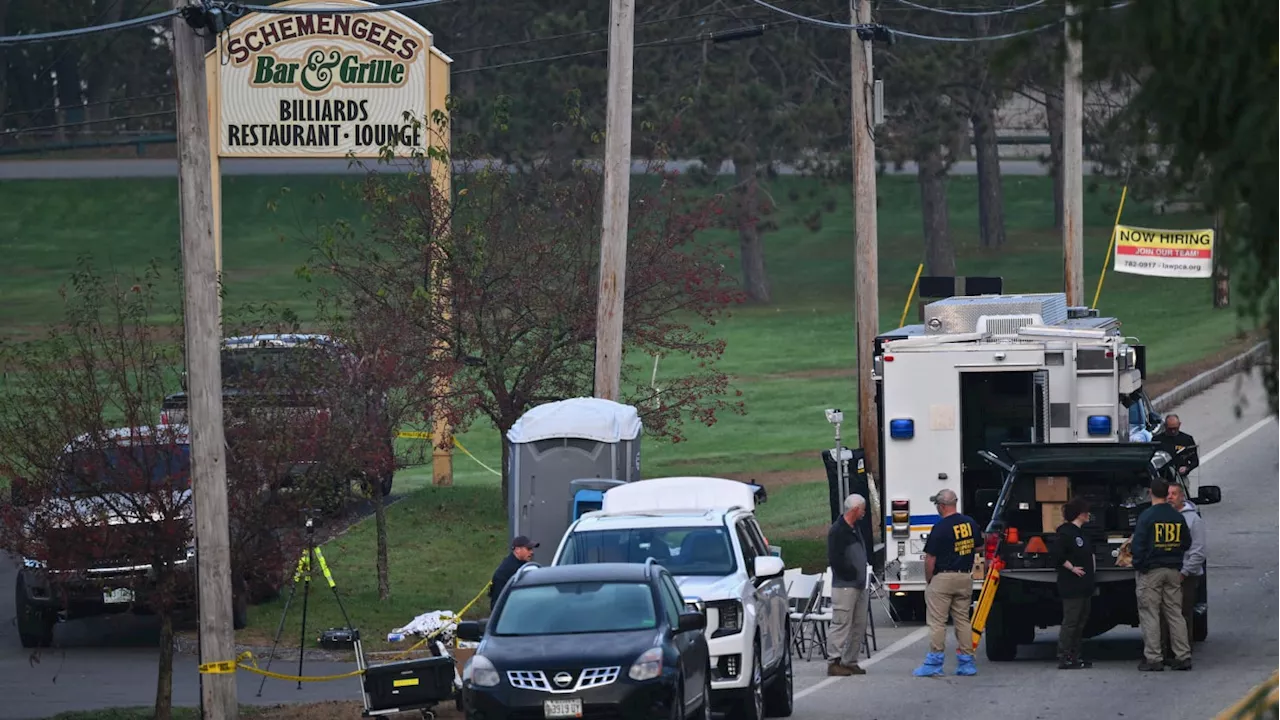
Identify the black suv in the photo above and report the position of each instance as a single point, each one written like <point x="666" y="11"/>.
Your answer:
<point x="607" y="640"/>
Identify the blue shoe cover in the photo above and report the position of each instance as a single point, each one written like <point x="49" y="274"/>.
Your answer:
<point x="932" y="666"/>
<point x="965" y="665"/>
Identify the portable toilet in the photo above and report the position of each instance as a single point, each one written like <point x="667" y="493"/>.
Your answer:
<point x="562" y="457"/>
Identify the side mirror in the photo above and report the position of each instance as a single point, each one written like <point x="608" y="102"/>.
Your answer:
<point x="691" y="621"/>
<point x="768" y="566"/>
<point x="694" y="604"/>
<point x="18" y="491"/>
<point x="470" y="630"/>
<point x="1209" y="495"/>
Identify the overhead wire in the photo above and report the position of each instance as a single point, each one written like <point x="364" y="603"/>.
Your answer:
<point x="972" y="13"/>
<point x="7" y="40"/>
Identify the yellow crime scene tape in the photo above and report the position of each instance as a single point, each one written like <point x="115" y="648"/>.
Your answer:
<point x="246" y="660"/>
<point x="420" y="435"/>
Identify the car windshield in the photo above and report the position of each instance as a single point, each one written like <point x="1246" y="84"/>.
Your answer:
<point x="139" y="468"/>
<point x="577" y="607"/>
<point x="247" y="367"/>
<point x="682" y="550"/>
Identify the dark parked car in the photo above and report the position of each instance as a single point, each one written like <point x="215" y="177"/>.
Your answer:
<point x="607" y="640"/>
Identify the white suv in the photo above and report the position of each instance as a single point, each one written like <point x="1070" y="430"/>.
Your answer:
<point x="704" y="531"/>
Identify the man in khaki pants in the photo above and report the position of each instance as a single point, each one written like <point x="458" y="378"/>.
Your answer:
<point x="948" y="570"/>
<point x="1160" y="539"/>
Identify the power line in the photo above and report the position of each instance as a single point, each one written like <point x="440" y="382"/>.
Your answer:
<point x="22" y="131"/>
<point x="972" y="13"/>
<point x="6" y="40"/>
<point x="918" y="36"/>
<point x="236" y="9"/>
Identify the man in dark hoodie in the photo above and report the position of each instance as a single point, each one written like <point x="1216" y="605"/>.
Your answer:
<point x="1160" y="539"/>
<point x="521" y="552"/>
<point x="1073" y="557"/>
<point x="847" y="557"/>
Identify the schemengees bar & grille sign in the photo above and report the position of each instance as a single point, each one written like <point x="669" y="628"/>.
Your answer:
<point x="321" y="84"/>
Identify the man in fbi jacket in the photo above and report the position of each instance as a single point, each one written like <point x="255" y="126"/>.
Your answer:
<point x="1160" y="538"/>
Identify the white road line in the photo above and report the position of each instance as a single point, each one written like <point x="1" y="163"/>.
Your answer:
<point x="920" y="633"/>
<point x="1228" y="444"/>
<point x="893" y="649"/>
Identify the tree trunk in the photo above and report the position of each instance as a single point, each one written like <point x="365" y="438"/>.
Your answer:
<point x="164" y="679"/>
<point x="100" y="73"/>
<point x="939" y="253"/>
<point x="1053" y="114"/>
<point x="990" y="193"/>
<point x="755" y="280"/>
<point x="380" y="524"/>
<point x="4" y="64"/>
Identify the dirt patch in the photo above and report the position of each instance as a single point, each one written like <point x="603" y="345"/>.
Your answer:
<point x="770" y="479"/>
<point x="816" y="532"/>
<point x="335" y="710"/>
<point x="1164" y="381"/>
<point x="813" y="374"/>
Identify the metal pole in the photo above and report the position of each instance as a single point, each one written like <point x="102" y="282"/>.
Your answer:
<point x="202" y="310"/>
<point x="866" y="283"/>
<point x="617" y="191"/>
<point x="1073" y="168"/>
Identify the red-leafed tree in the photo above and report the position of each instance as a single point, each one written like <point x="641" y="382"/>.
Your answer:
<point x="99" y="508"/>
<point x="501" y="278"/>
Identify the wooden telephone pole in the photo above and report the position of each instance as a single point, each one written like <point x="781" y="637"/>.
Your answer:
<point x="617" y="193"/>
<point x="866" y="265"/>
<point x="202" y="317"/>
<point x="1072" y="168"/>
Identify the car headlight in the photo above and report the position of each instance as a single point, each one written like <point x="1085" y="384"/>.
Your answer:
<point x="728" y="617"/>
<point x="483" y="673"/>
<point x="648" y="666"/>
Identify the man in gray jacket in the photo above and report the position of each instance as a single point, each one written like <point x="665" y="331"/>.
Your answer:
<point x="1193" y="562"/>
<point x="847" y="557"/>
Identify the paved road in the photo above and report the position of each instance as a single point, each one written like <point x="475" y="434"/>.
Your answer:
<point x="110" y="663"/>
<point x="141" y="167"/>
<point x="1240" y="651"/>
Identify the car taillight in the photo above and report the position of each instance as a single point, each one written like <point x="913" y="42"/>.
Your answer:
<point x="900" y="515"/>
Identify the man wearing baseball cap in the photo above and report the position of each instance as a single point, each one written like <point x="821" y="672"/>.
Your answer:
<point x="521" y="552"/>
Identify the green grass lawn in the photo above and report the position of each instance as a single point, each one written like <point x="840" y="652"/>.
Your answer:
<point x="790" y="360"/>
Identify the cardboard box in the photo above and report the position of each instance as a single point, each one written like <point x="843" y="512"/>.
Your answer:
<point x="1050" y="516"/>
<point x="1052" y="490"/>
<point x="979" y="567"/>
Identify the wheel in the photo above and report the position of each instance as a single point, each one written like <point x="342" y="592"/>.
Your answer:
<point x="1200" y="626"/>
<point x="751" y="707"/>
<point x="35" y="625"/>
<point x="779" y="697"/>
<point x="1000" y="638"/>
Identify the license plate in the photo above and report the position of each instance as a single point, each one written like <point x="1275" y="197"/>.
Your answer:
<point x="119" y="595"/>
<point x="571" y="708"/>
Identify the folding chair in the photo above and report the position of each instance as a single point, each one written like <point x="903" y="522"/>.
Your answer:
<point x="801" y="597"/>
<point x="810" y="623"/>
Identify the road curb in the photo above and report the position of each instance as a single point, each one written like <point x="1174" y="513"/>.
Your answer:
<point x="1241" y="363"/>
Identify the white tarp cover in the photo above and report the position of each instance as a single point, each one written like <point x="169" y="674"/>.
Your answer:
<point x="585" y="418"/>
<point x="678" y="493"/>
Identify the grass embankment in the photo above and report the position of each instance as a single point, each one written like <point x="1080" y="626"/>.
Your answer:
<point x="790" y="360"/>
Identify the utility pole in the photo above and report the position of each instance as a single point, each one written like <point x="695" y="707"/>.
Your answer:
<point x="202" y="310"/>
<point x="1072" y="168"/>
<point x="617" y="194"/>
<point x="866" y="264"/>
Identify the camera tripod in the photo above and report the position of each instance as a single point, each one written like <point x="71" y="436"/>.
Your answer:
<point x="303" y="574"/>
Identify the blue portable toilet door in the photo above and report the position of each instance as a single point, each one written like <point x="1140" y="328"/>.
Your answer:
<point x="585" y="501"/>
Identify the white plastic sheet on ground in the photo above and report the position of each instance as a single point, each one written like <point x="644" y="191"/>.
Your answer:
<point x="429" y="622"/>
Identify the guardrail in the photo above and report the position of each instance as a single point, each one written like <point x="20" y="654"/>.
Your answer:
<point x="142" y="142"/>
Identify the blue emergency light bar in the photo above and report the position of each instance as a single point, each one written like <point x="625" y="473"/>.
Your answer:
<point x="902" y="428"/>
<point x="1099" y="424"/>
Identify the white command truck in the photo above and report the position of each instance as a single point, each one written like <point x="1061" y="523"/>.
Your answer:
<point x="979" y="372"/>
